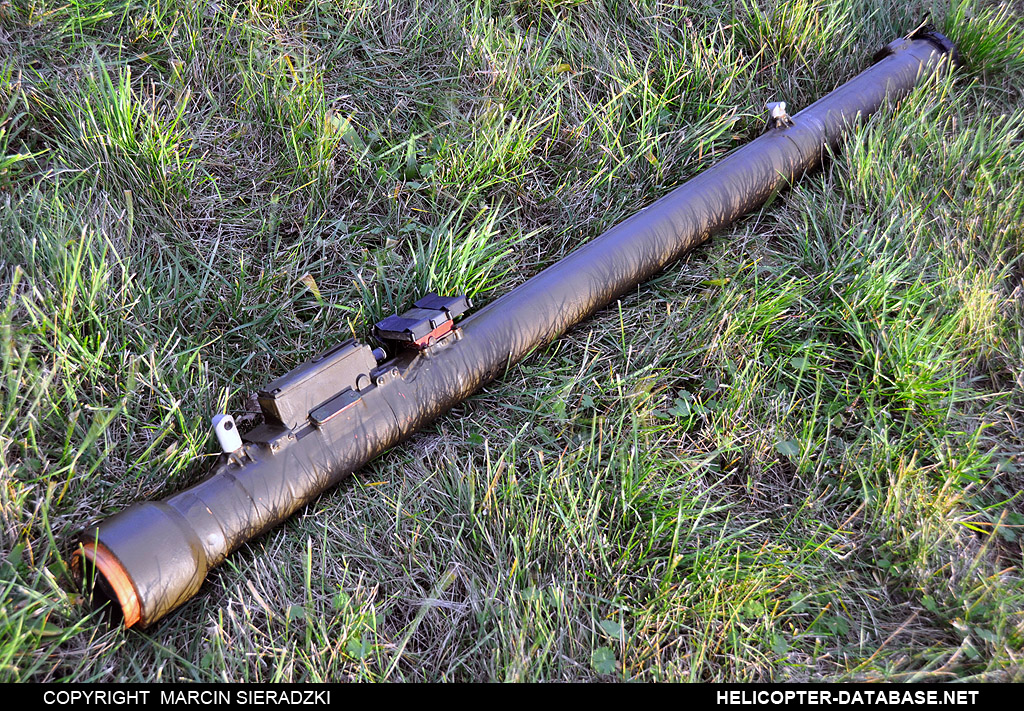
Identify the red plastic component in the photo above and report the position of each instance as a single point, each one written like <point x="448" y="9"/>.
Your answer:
<point x="428" y="340"/>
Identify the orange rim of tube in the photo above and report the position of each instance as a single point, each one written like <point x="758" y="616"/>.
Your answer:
<point x="110" y="568"/>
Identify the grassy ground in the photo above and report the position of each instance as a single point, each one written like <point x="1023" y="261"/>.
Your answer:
<point x="798" y="455"/>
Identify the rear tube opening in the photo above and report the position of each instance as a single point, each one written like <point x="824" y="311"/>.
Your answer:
<point x="107" y="584"/>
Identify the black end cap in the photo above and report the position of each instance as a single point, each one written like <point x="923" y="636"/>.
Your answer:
<point x="941" y="42"/>
<point x="927" y="33"/>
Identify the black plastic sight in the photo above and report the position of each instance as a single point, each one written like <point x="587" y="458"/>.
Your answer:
<point x="432" y="318"/>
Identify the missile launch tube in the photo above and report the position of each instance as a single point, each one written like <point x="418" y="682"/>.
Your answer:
<point x="329" y="417"/>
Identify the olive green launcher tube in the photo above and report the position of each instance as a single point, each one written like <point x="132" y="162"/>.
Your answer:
<point x="154" y="556"/>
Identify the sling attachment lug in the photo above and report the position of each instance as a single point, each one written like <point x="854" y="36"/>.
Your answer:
<point x="777" y="116"/>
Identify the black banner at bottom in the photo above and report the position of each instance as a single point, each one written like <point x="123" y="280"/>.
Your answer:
<point x="854" y="695"/>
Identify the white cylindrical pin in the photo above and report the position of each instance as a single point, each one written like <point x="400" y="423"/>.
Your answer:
<point x="227" y="433"/>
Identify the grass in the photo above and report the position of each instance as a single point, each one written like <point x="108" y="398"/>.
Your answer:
<point x="795" y="456"/>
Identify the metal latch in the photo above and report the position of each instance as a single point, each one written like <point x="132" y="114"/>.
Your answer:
<point x="432" y="319"/>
